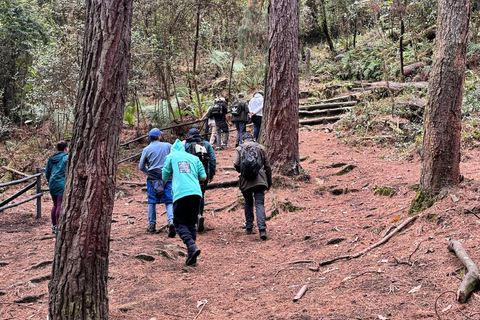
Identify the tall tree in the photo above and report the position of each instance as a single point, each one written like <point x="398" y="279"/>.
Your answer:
<point x="281" y="105"/>
<point x="441" y="141"/>
<point x="78" y="289"/>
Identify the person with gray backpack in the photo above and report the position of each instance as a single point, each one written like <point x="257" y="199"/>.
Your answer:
<point x="239" y="112"/>
<point x="255" y="178"/>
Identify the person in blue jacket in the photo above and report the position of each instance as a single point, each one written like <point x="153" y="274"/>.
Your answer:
<point x="185" y="170"/>
<point x="55" y="173"/>
<point x="204" y="151"/>
<point x="151" y="163"/>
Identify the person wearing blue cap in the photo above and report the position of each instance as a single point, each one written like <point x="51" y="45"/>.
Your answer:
<point x="197" y="146"/>
<point x="158" y="191"/>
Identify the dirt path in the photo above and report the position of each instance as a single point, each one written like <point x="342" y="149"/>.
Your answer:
<point x="241" y="277"/>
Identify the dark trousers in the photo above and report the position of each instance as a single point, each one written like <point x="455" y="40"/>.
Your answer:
<point x="188" y="234"/>
<point x="257" y="123"/>
<point x="55" y="213"/>
<point x="241" y="128"/>
<point x="257" y="193"/>
<point x="185" y="211"/>
<point x="203" y="186"/>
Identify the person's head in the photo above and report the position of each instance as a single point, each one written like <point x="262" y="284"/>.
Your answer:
<point x="154" y="134"/>
<point x="241" y="95"/>
<point x="193" y="132"/>
<point x="62" y="145"/>
<point x="222" y="99"/>
<point x="247" y="137"/>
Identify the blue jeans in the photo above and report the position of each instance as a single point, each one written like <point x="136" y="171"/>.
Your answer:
<point x="257" y="123"/>
<point x="259" y="194"/>
<point x="152" y="212"/>
<point x="241" y="127"/>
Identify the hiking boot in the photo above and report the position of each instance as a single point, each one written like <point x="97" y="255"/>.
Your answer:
<point x="54" y="229"/>
<point x="151" y="228"/>
<point x="226" y="146"/>
<point x="171" y="230"/>
<point x="249" y="230"/>
<point x="193" y="253"/>
<point x="263" y="234"/>
<point x="200" y="226"/>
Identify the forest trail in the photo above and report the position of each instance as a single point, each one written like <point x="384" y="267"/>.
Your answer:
<point x="239" y="276"/>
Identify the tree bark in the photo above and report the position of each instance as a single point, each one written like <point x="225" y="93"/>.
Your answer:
<point x="325" y="26"/>
<point x="195" y="53"/>
<point x="78" y="289"/>
<point x="281" y="104"/>
<point x="442" y="126"/>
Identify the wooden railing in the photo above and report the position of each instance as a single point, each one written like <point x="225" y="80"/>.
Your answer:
<point x="35" y="184"/>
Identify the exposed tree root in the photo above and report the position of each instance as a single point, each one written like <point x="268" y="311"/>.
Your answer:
<point x="471" y="279"/>
<point x="379" y="243"/>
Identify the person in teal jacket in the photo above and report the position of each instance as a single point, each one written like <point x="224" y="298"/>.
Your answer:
<point x="185" y="170"/>
<point x="55" y="173"/>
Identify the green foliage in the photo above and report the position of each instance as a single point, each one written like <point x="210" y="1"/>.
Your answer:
<point x="471" y="93"/>
<point x="129" y="113"/>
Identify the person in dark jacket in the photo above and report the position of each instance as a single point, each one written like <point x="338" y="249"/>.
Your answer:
<point x="254" y="188"/>
<point x="221" y="122"/>
<point x="55" y="173"/>
<point x="239" y="112"/>
<point x="151" y="163"/>
<point x="209" y="163"/>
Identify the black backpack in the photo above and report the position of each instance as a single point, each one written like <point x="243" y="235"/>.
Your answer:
<point x="200" y="150"/>
<point x="250" y="161"/>
<point x="236" y="108"/>
<point x="217" y="110"/>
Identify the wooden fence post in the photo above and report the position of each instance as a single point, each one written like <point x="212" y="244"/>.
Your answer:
<point x="39" y="190"/>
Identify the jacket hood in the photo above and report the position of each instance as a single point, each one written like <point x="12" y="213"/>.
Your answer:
<point x="258" y="95"/>
<point x="57" y="156"/>
<point x="177" y="147"/>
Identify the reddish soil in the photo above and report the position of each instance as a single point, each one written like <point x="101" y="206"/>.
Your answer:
<point x="238" y="276"/>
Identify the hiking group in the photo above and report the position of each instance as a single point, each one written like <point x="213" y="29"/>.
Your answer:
<point x="178" y="174"/>
<point x="187" y="167"/>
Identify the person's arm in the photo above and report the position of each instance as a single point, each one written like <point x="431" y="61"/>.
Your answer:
<point x="236" y="160"/>
<point x="267" y="168"/>
<point x="167" y="169"/>
<point x="212" y="165"/>
<point x="143" y="161"/>
<point x="202" y="175"/>
<point x="48" y="170"/>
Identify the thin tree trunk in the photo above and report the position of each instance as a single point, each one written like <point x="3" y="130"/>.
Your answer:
<point x="442" y="126"/>
<point x="402" y="32"/>
<point x="195" y="53"/>
<point x="176" y="96"/>
<point x="325" y="26"/>
<point x="307" y="62"/>
<point x="231" y="76"/>
<point x="281" y="106"/>
<point x="78" y="289"/>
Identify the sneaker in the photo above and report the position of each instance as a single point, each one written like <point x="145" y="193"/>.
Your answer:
<point x="200" y="226"/>
<point x="226" y="146"/>
<point x="218" y="148"/>
<point x="193" y="253"/>
<point x="249" y="230"/>
<point x="54" y="229"/>
<point x="151" y="228"/>
<point x="263" y="234"/>
<point x="171" y="230"/>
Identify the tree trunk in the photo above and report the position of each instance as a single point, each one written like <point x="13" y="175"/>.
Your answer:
<point x="195" y="53"/>
<point x="78" y="289"/>
<point x="307" y="62"/>
<point x="402" y="33"/>
<point x="281" y="106"/>
<point x="441" y="141"/>
<point x="325" y="26"/>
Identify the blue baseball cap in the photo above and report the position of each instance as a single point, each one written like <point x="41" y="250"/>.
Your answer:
<point x="193" y="132"/>
<point x="154" y="133"/>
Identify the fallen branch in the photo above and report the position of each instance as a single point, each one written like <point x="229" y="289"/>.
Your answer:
<point x="301" y="261"/>
<point x="373" y="246"/>
<point x="222" y="184"/>
<point x="471" y="279"/>
<point x="300" y="293"/>
<point x="15" y="171"/>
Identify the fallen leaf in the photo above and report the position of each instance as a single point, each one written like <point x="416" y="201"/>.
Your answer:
<point x="416" y="289"/>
